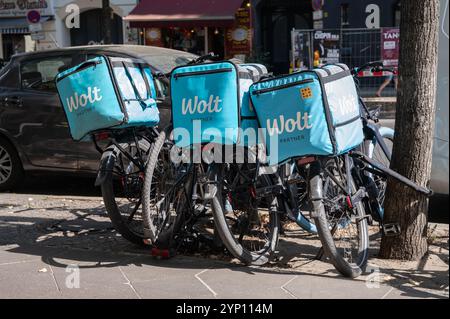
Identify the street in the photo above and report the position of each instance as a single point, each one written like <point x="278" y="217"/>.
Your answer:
<point x="62" y="246"/>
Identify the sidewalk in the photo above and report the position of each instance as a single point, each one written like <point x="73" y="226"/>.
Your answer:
<point x="40" y="236"/>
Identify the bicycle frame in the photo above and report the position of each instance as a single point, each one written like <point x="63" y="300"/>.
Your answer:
<point x="108" y="159"/>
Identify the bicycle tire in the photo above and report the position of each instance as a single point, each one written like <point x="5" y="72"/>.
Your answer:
<point x="112" y="207"/>
<point x="347" y="269"/>
<point x="259" y="258"/>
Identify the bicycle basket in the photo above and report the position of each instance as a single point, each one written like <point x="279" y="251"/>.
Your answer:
<point x="309" y="113"/>
<point x="107" y="93"/>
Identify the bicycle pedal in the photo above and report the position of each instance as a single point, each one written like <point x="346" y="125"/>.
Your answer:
<point x="391" y="230"/>
<point x="162" y="253"/>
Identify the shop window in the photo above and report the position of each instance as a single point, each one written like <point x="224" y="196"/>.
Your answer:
<point x="344" y="15"/>
<point x="397" y="14"/>
<point x="40" y="74"/>
<point x="10" y="78"/>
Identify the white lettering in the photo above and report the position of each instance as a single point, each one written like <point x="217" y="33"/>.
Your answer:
<point x="201" y="106"/>
<point x="278" y="126"/>
<point x="76" y="101"/>
<point x="373" y="19"/>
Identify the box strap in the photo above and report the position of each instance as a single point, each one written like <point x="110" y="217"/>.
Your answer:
<point x="136" y="91"/>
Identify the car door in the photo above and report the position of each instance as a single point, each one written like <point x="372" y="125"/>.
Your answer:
<point x="42" y="130"/>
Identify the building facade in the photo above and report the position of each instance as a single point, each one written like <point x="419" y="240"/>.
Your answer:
<point x="273" y="21"/>
<point x="58" y="25"/>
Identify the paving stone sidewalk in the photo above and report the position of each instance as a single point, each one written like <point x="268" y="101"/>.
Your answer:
<point x="47" y="241"/>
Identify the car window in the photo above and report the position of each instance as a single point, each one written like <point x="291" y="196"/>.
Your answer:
<point x="40" y="74"/>
<point x="162" y="89"/>
<point x="9" y="77"/>
<point x="166" y="63"/>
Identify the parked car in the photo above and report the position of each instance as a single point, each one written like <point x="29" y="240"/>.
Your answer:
<point x="34" y="134"/>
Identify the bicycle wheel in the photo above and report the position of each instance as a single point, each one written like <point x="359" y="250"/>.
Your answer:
<point x="122" y="189"/>
<point x="246" y="212"/>
<point x="165" y="194"/>
<point x="376" y="184"/>
<point x="340" y="220"/>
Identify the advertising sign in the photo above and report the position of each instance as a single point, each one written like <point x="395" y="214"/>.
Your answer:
<point x="21" y="8"/>
<point x="153" y="37"/>
<point x="326" y="47"/>
<point x="390" y="49"/>
<point x="238" y="38"/>
<point x="301" y="57"/>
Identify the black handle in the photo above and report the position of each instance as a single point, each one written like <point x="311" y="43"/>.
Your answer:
<point x="88" y="64"/>
<point x="14" y="100"/>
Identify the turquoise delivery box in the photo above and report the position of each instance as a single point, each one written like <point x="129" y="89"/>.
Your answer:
<point x="205" y="104"/>
<point x="309" y="113"/>
<point x="107" y="93"/>
<point x="211" y="102"/>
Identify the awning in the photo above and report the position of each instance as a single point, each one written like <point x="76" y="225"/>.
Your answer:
<point x="183" y="13"/>
<point x="16" y="25"/>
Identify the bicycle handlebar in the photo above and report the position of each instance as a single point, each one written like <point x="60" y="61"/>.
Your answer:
<point x="375" y="66"/>
<point x="203" y="58"/>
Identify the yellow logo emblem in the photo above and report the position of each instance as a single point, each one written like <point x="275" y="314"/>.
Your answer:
<point x="306" y="93"/>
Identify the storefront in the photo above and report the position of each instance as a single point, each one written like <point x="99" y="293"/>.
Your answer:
<point x="274" y="19"/>
<point x="90" y="29"/>
<point x="15" y="34"/>
<point x="56" y="25"/>
<point x="222" y="27"/>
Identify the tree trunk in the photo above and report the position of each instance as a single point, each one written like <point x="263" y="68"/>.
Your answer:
<point x="412" y="153"/>
<point x="107" y="22"/>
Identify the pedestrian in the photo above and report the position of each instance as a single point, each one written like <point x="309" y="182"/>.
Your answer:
<point x="386" y="82"/>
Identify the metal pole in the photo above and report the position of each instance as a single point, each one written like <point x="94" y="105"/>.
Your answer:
<point x="206" y="41"/>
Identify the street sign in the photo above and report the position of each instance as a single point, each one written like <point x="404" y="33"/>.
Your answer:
<point x="37" y="36"/>
<point x="317" y="4"/>
<point x="35" y="27"/>
<point x="318" y="25"/>
<point x="317" y="15"/>
<point x="33" y="16"/>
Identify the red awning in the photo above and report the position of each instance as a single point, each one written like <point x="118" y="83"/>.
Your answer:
<point x="183" y="13"/>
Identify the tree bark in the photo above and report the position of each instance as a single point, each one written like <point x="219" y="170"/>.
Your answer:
<point x="107" y="22"/>
<point x="415" y="122"/>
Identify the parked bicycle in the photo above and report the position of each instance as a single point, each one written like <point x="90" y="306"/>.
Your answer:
<point x="112" y="102"/>
<point x="314" y="142"/>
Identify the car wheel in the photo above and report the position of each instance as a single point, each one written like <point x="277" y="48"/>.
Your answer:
<point x="11" y="172"/>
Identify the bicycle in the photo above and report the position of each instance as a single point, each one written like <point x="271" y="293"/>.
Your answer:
<point x="173" y="209"/>
<point x="374" y="157"/>
<point x="121" y="177"/>
<point x="113" y="100"/>
<point x="174" y="196"/>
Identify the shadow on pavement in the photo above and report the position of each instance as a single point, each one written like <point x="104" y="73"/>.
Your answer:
<point x="60" y="185"/>
<point x="88" y="241"/>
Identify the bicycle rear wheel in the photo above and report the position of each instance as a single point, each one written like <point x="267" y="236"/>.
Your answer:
<point x="340" y="218"/>
<point x="121" y="190"/>
<point x="246" y="212"/>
